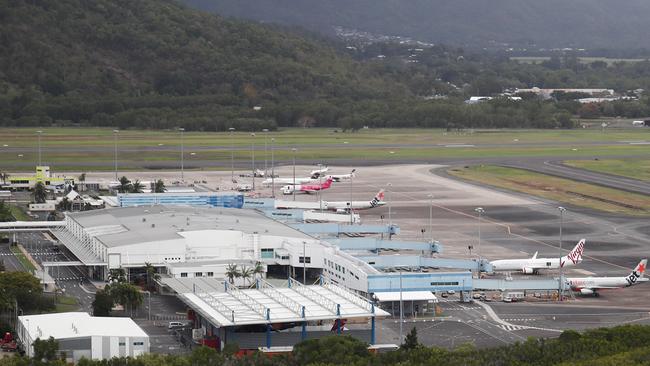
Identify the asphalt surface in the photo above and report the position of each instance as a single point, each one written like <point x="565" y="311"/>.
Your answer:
<point x="556" y="168"/>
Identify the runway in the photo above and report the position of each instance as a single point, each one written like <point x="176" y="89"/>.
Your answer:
<point x="556" y="168"/>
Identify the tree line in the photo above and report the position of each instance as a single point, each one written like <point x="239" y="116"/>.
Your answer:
<point x="158" y="65"/>
<point x="622" y="345"/>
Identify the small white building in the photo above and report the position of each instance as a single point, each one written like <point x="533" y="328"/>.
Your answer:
<point x="81" y="335"/>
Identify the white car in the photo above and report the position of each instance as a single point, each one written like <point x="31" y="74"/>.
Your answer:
<point x="173" y="325"/>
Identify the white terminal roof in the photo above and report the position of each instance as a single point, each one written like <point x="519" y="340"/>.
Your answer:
<point x="79" y="325"/>
<point x="225" y="305"/>
<point x="133" y="225"/>
<point x="406" y="296"/>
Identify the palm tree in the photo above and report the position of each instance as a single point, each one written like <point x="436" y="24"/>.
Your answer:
<point x="245" y="273"/>
<point x="258" y="269"/>
<point x="151" y="274"/>
<point x="125" y="185"/>
<point x="232" y="272"/>
<point x="159" y="186"/>
<point x="137" y="187"/>
<point x="40" y="193"/>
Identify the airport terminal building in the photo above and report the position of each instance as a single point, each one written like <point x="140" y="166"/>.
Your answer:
<point x="188" y="242"/>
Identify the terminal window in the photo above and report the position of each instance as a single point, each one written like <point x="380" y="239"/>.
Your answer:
<point x="183" y="274"/>
<point x="444" y="283"/>
<point x="302" y="260"/>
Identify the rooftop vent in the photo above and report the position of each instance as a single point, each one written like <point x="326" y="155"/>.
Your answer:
<point x="153" y="226"/>
<point x="144" y="219"/>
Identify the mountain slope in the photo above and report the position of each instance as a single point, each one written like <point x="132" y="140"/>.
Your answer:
<point x="70" y="60"/>
<point x="476" y="23"/>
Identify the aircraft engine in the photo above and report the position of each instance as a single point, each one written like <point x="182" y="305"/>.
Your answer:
<point x="528" y="270"/>
<point x="586" y="291"/>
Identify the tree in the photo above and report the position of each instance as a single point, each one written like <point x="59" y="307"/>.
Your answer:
<point x="103" y="303"/>
<point x="258" y="269"/>
<point x="338" y="350"/>
<point x="411" y="340"/>
<point x="124" y="185"/>
<point x="40" y="193"/>
<point x="205" y="356"/>
<point x="126" y="295"/>
<point x="117" y="275"/>
<point x="152" y="275"/>
<point x="159" y="186"/>
<point x="232" y="272"/>
<point x="22" y="287"/>
<point x="2" y="266"/>
<point x="137" y="187"/>
<point x="82" y="177"/>
<point x="46" y="350"/>
<point x="4" y="177"/>
<point x="5" y="212"/>
<point x="245" y="273"/>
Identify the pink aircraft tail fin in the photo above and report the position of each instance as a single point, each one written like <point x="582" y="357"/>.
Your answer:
<point x="327" y="184"/>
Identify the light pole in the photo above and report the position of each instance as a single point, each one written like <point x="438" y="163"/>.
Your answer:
<point x="232" y="156"/>
<point x="182" y="130"/>
<point x="390" y="217"/>
<point x="351" y="211"/>
<point x="431" y="215"/>
<point x="272" y="168"/>
<point x="27" y="339"/>
<point x="115" y="133"/>
<point x="266" y="153"/>
<point x="320" y="197"/>
<point x="304" y="263"/>
<point x="253" y="157"/>
<point x="294" y="173"/>
<point x="39" y="132"/>
<point x="479" y="211"/>
<point x="149" y="306"/>
<point x="561" y="289"/>
<point x="401" y="313"/>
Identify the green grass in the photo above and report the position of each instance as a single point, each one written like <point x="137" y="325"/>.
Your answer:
<point x="66" y="304"/>
<point x="22" y="259"/>
<point x="632" y="168"/>
<point x="313" y="144"/>
<point x="19" y="214"/>
<point x="558" y="189"/>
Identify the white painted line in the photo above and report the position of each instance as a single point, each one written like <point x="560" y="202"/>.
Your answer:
<point x="459" y="145"/>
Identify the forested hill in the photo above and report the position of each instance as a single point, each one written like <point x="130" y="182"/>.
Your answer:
<point x="158" y="64"/>
<point x="476" y="23"/>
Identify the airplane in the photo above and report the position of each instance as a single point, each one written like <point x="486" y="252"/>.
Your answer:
<point x="534" y="264"/>
<point x="340" y="177"/>
<point x="306" y="188"/>
<point x="591" y="285"/>
<point x="339" y="207"/>
<point x="318" y="172"/>
<point x="269" y="181"/>
<point x="345" y="206"/>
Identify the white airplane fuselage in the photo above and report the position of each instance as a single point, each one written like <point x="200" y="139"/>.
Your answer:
<point x="279" y="181"/>
<point x="528" y="266"/>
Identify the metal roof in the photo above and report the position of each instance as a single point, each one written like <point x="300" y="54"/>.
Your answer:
<point x="78" y="325"/>
<point x="133" y="225"/>
<point x="406" y="296"/>
<point x="226" y="305"/>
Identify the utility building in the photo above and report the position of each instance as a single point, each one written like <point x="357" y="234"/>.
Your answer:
<point x="81" y="335"/>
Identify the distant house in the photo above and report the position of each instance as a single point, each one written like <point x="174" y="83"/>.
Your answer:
<point x="477" y="99"/>
<point x="547" y="93"/>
